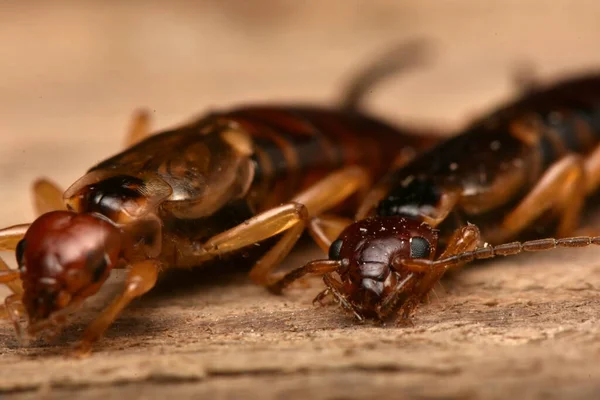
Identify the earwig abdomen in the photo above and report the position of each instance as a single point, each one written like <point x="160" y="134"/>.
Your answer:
<point x="499" y="159"/>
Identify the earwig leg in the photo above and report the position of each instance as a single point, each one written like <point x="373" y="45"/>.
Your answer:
<point x="592" y="170"/>
<point x="405" y="157"/>
<point x="141" y="278"/>
<point x="465" y="238"/>
<point x="47" y="196"/>
<point x="321" y="296"/>
<point x="258" y="228"/>
<point x="10" y="237"/>
<point x="562" y="188"/>
<point x="139" y="128"/>
<point x="290" y="218"/>
<point x="14" y="310"/>
<point x="326" y="228"/>
<point x="10" y="278"/>
<point x="322" y="196"/>
<point x="318" y="267"/>
<point x="335" y="288"/>
<point x="390" y="303"/>
<point x="371" y="200"/>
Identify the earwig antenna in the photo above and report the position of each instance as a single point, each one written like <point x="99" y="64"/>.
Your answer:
<point x="316" y="266"/>
<point x="506" y="249"/>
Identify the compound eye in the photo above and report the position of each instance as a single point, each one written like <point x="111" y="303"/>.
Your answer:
<point x="419" y="247"/>
<point x="335" y="248"/>
<point x="20" y="251"/>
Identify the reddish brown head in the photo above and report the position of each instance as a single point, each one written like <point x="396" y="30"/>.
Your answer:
<point x="64" y="258"/>
<point x="366" y="250"/>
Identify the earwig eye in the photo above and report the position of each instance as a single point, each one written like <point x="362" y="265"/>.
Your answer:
<point x="419" y="247"/>
<point x="334" y="249"/>
<point x="20" y="251"/>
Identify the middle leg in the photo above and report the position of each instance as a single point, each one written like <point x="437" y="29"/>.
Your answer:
<point x="290" y="218"/>
<point x="562" y="188"/>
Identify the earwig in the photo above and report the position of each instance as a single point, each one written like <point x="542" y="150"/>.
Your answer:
<point x="190" y="196"/>
<point x="523" y="170"/>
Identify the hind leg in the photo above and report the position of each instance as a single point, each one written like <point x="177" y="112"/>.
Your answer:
<point x="290" y="219"/>
<point x="562" y="188"/>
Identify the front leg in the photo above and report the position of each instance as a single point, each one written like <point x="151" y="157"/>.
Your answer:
<point x="9" y="239"/>
<point x="14" y="311"/>
<point x="10" y="278"/>
<point x="141" y="278"/>
<point x="11" y="236"/>
<point x="428" y="272"/>
<point x="335" y="288"/>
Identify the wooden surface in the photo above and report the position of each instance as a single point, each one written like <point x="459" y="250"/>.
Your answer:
<point x="72" y="72"/>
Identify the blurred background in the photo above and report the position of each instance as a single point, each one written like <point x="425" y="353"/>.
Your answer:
<point x="72" y="72"/>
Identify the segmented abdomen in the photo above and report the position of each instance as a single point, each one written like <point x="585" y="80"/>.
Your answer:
<point x="297" y="146"/>
<point x="568" y="115"/>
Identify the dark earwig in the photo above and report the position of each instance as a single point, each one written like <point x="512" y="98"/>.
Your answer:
<point x="522" y="171"/>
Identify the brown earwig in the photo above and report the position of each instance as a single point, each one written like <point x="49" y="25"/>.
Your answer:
<point x="515" y="174"/>
<point x="184" y="197"/>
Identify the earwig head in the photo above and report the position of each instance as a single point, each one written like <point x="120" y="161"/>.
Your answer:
<point x="365" y="251"/>
<point x="64" y="258"/>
